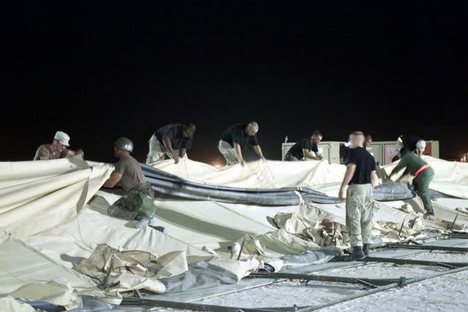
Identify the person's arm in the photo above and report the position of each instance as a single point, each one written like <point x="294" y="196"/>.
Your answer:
<point x="72" y="153"/>
<point x="42" y="153"/>
<point x="167" y="143"/>
<point x="314" y="150"/>
<point x="182" y="152"/>
<point x="374" y="178"/>
<point x="350" y="169"/>
<point x="258" y="151"/>
<point x="399" y="166"/>
<point x="113" y="180"/>
<point x="310" y="154"/>
<point x="238" y="152"/>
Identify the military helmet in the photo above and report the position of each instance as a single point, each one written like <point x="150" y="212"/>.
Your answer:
<point x="124" y="143"/>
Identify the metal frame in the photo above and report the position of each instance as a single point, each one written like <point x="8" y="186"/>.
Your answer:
<point x="371" y="282"/>
<point x="429" y="247"/>
<point x="200" y="306"/>
<point x="377" y="285"/>
<point x="458" y="235"/>
<point x="449" y="265"/>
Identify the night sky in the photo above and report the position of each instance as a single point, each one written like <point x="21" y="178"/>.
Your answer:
<point x="99" y="70"/>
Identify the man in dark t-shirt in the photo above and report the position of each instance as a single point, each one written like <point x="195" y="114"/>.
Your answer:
<point x="360" y="178"/>
<point x="237" y="137"/>
<point x="170" y="142"/>
<point x="305" y="148"/>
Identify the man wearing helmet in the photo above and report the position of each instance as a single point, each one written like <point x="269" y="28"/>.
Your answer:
<point x="58" y="148"/>
<point x="138" y="201"/>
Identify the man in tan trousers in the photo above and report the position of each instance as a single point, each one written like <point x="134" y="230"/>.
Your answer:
<point x="360" y="178"/>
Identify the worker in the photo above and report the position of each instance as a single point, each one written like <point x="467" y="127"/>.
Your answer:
<point x="420" y="147"/>
<point x="137" y="203"/>
<point x="367" y="143"/>
<point x="235" y="138"/>
<point x="360" y="179"/>
<point x="306" y="148"/>
<point x="171" y="142"/>
<point x="422" y="172"/>
<point x="58" y="148"/>
<point x="407" y="143"/>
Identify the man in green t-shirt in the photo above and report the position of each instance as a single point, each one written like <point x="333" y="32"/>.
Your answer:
<point x="138" y="201"/>
<point x="423" y="174"/>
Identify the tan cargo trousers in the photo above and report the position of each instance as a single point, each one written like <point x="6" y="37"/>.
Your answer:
<point x="158" y="152"/>
<point x="359" y="213"/>
<point x="228" y="152"/>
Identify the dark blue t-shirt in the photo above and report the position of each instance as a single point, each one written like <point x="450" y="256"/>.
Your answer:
<point x="174" y="132"/>
<point x="296" y="149"/>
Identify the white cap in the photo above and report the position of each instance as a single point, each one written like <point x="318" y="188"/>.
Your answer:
<point x="62" y="137"/>
<point x="421" y="145"/>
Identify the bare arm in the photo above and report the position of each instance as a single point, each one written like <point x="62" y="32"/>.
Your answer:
<point x="374" y="178"/>
<point x="113" y="180"/>
<point x="238" y="151"/>
<point x="310" y="154"/>
<point x="258" y="151"/>
<point x="167" y="143"/>
<point x="350" y="169"/>
<point x="182" y="152"/>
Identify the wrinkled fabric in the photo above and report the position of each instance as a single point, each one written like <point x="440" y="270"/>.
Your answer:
<point x="121" y="271"/>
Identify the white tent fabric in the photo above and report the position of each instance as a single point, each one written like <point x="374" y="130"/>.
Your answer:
<point x="10" y="304"/>
<point x="257" y="174"/>
<point x="35" y="196"/>
<point x="52" y="216"/>
<point x="451" y="178"/>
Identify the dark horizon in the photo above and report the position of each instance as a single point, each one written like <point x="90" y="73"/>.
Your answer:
<point x="102" y="70"/>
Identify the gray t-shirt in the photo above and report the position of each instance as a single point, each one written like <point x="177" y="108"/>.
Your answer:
<point x="131" y="172"/>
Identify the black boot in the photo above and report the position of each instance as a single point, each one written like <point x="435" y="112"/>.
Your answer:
<point x="357" y="254"/>
<point x="365" y="249"/>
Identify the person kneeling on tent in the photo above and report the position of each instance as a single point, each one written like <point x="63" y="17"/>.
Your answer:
<point x="306" y="148"/>
<point x="59" y="148"/>
<point x="138" y="201"/>
<point x="422" y="172"/>
<point x="235" y="138"/>
<point x="171" y="142"/>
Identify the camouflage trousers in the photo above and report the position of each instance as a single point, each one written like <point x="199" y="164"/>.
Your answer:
<point x="136" y="204"/>
<point x="290" y="157"/>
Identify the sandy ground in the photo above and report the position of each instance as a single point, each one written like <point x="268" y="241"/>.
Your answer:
<point x="445" y="293"/>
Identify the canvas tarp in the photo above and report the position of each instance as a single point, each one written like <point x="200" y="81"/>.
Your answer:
<point x="52" y="216"/>
<point x="451" y="178"/>
<point x="35" y="196"/>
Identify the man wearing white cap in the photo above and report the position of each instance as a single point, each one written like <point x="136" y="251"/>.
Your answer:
<point x="58" y="148"/>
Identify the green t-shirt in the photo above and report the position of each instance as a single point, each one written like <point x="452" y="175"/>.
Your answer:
<point x="411" y="161"/>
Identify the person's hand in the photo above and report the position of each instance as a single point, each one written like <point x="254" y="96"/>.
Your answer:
<point x="242" y="162"/>
<point x="341" y="194"/>
<point x="176" y="159"/>
<point x="263" y="158"/>
<point x="319" y="157"/>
